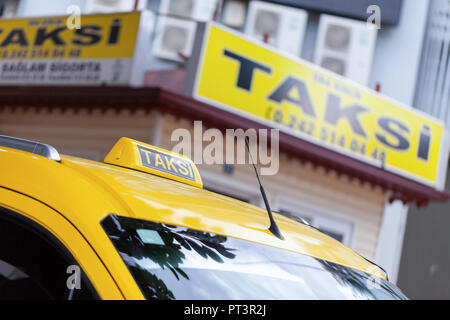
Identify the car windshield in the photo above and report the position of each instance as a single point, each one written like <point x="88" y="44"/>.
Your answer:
<point x="170" y="262"/>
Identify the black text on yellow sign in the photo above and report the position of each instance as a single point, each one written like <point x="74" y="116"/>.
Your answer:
<point x="334" y="110"/>
<point x="318" y="105"/>
<point x="99" y="36"/>
<point x="166" y="163"/>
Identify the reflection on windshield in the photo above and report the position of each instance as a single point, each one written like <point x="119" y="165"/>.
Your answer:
<point x="169" y="262"/>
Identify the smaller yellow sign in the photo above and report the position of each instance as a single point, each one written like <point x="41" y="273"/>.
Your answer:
<point x="167" y="163"/>
<point x="302" y="99"/>
<point x="50" y="51"/>
<point x="139" y="156"/>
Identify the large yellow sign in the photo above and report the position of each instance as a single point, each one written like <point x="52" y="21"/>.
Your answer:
<point x="99" y="36"/>
<point x="302" y="99"/>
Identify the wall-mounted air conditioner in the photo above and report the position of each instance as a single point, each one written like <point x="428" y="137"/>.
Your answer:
<point x="200" y="10"/>
<point x="108" y="6"/>
<point x="279" y="26"/>
<point x="8" y="9"/>
<point x="233" y="13"/>
<point x="174" y="38"/>
<point x="346" y="47"/>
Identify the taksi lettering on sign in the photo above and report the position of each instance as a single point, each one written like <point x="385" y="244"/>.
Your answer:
<point x="166" y="163"/>
<point x="302" y="99"/>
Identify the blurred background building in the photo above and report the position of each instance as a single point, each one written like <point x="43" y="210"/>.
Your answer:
<point x="407" y="59"/>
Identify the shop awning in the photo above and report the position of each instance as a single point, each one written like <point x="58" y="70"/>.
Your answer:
<point x="165" y="100"/>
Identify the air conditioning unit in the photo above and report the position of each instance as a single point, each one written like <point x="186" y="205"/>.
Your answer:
<point x="346" y="47"/>
<point x="9" y="8"/>
<point x="200" y="10"/>
<point x="174" y="38"/>
<point x="108" y="6"/>
<point x="277" y="25"/>
<point x="233" y="13"/>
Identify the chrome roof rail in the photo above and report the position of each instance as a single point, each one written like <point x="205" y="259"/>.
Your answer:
<point x="30" y="146"/>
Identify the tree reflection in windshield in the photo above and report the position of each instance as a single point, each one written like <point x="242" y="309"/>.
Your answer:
<point x="169" y="262"/>
<point x="123" y="234"/>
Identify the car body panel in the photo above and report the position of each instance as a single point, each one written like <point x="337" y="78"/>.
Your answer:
<point x="84" y="192"/>
<point x="68" y="236"/>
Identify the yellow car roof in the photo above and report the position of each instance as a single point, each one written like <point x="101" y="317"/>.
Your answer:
<point x="86" y="191"/>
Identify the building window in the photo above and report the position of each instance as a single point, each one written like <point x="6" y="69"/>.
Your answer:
<point x="228" y="194"/>
<point x="432" y="93"/>
<point x="231" y="187"/>
<point x="330" y="223"/>
<point x="8" y="8"/>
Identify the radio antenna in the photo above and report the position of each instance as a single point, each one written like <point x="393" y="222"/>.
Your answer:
<point x="273" y="225"/>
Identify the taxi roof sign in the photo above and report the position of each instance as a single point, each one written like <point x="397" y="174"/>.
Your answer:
<point x="143" y="157"/>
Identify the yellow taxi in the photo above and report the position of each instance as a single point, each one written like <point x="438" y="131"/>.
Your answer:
<point x="141" y="226"/>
